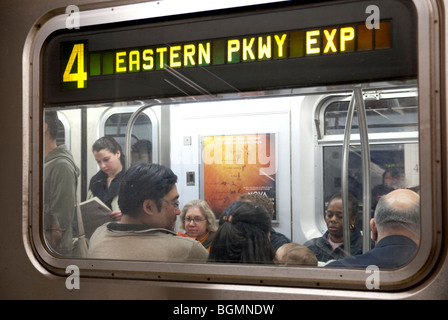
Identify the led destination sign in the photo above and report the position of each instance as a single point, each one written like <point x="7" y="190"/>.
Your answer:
<point x="79" y="64"/>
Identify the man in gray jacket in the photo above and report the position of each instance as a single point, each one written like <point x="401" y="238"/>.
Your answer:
<point x="60" y="183"/>
<point x="149" y="204"/>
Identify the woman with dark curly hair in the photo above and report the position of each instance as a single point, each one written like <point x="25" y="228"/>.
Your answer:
<point x="243" y="235"/>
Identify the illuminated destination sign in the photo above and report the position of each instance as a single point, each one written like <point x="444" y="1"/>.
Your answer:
<point x="78" y="64"/>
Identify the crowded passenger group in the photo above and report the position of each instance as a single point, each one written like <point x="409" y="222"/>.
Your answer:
<point x="149" y="201"/>
<point x="145" y="209"/>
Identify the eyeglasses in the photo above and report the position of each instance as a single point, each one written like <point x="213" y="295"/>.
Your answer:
<point x="196" y="220"/>
<point x="175" y="204"/>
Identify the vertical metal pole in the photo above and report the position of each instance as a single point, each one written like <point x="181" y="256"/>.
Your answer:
<point x="344" y="175"/>
<point x="365" y="155"/>
<point x="129" y="128"/>
<point x="84" y="150"/>
<point x="164" y="132"/>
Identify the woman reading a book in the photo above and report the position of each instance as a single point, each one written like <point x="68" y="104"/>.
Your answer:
<point x="105" y="184"/>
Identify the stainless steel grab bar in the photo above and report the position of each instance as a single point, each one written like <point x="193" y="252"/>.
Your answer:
<point x="357" y="102"/>
<point x="365" y="155"/>
<point x="344" y="175"/>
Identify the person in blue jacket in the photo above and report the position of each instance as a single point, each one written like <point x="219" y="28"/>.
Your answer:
<point x="396" y="231"/>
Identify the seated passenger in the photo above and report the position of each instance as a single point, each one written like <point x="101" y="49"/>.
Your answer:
<point x="105" y="183"/>
<point x="199" y="222"/>
<point x="331" y="245"/>
<point x="277" y="239"/>
<point x="148" y="199"/>
<point x="294" y="254"/>
<point x="243" y="235"/>
<point x="395" y="229"/>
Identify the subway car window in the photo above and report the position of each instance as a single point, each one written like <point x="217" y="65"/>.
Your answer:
<point x="141" y="135"/>
<point x="233" y="145"/>
<point x="393" y="164"/>
<point x="383" y="115"/>
<point x="63" y="136"/>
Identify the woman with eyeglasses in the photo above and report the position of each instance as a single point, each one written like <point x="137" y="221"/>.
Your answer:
<point x="199" y="222"/>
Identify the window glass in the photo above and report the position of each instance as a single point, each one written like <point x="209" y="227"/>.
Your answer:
<point x="61" y="133"/>
<point x="237" y="108"/>
<point x="392" y="163"/>
<point x="68" y="169"/>
<point x="241" y="149"/>
<point x="385" y="115"/>
<point x="398" y="161"/>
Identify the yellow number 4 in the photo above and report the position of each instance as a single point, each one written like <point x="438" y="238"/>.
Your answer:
<point x="80" y="75"/>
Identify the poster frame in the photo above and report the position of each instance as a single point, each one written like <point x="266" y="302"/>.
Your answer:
<point x="202" y="172"/>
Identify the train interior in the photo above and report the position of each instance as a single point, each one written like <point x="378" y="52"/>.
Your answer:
<point x="293" y="137"/>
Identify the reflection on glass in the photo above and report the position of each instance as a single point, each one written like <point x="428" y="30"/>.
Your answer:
<point x="385" y="115"/>
<point x="238" y="154"/>
<point x="60" y="178"/>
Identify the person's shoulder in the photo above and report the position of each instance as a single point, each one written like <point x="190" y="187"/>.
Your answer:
<point x="99" y="176"/>
<point x="278" y="239"/>
<point x="188" y="242"/>
<point x="315" y="241"/>
<point x="194" y="250"/>
<point x="396" y="239"/>
<point x="185" y="239"/>
<point x="358" y="261"/>
<point x="98" y="233"/>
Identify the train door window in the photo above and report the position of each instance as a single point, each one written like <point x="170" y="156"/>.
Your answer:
<point x="392" y="124"/>
<point x="399" y="160"/>
<point x="143" y="133"/>
<point x="391" y="117"/>
<point x="63" y="136"/>
<point x="386" y="112"/>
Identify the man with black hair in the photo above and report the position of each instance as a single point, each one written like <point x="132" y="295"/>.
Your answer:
<point x="148" y="200"/>
<point x="60" y="183"/>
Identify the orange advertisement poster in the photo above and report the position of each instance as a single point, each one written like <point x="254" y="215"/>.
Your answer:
<point x="236" y="165"/>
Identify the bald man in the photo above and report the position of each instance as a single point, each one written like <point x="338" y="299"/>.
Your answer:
<point x="395" y="229"/>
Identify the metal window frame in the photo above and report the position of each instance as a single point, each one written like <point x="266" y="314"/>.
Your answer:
<point x="429" y="97"/>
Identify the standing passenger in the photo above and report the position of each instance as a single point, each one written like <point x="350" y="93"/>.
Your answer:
<point x="148" y="199"/>
<point x="60" y="183"/>
<point x="105" y="183"/>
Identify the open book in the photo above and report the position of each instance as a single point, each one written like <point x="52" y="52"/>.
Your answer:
<point x="94" y="214"/>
